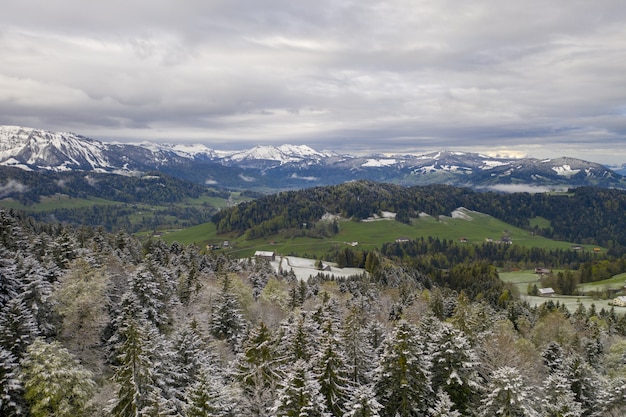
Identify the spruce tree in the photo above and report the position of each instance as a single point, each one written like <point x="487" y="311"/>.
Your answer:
<point x="507" y="395"/>
<point x="299" y="394"/>
<point x="443" y="406"/>
<point x="559" y="400"/>
<point x="209" y="396"/>
<point x="258" y="370"/>
<point x="227" y="321"/>
<point x="331" y="370"/>
<point x="363" y="403"/>
<point x="358" y="351"/>
<point x="134" y="376"/>
<point x="403" y="377"/>
<point x="454" y="363"/>
<point x="12" y="401"/>
<point x="18" y="328"/>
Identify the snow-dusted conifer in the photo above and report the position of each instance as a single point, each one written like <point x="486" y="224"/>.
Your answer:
<point x="11" y="387"/>
<point x="258" y="371"/>
<point x="331" y="370"/>
<point x="454" y="363"/>
<point x="443" y="406"/>
<point x="227" y="321"/>
<point x="403" y="377"/>
<point x="559" y="400"/>
<point x="134" y="376"/>
<point x="18" y="328"/>
<point x="363" y="403"/>
<point x="358" y="352"/>
<point x="507" y="395"/>
<point x="299" y="394"/>
<point x="209" y="396"/>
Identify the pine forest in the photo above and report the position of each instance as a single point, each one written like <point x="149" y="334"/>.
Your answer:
<point x="94" y="323"/>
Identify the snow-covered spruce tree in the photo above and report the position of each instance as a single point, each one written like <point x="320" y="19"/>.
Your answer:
<point x="55" y="384"/>
<point x="298" y="337"/>
<point x="331" y="370"/>
<point x="363" y="403"/>
<point x="507" y="395"/>
<point x="10" y="286"/>
<point x="559" y="400"/>
<point x="257" y="371"/>
<point x="18" y="328"/>
<point x="443" y="406"/>
<point x="553" y="357"/>
<point x="227" y="321"/>
<point x="454" y="363"/>
<point x="299" y="394"/>
<point x="189" y="355"/>
<point x="403" y="377"/>
<point x="12" y="401"/>
<point x="589" y="388"/>
<point x="358" y="352"/>
<point x="210" y="396"/>
<point x="134" y="376"/>
<point x="36" y="290"/>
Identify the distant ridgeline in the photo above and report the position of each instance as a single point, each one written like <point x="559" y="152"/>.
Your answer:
<point x="586" y="215"/>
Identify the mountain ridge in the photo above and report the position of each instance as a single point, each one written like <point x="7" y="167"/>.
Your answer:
<point x="291" y="166"/>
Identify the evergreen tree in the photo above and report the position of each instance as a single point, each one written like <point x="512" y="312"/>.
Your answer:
<point x="559" y="400"/>
<point x="588" y="386"/>
<point x="358" y="351"/>
<point x="227" y="321"/>
<point x="210" y="396"/>
<point x="11" y="388"/>
<point x="553" y="357"/>
<point x="18" y="328"/>
<point x="144" y="298"/>
<point x="258" y="370"/>
<point x="363" y="403"/>
<point x="331" y="371"/>
<point x="299" y="394"/>
<point x="55" y="384"/>
<point x="403" y="377"/>
<point x="507" y="395"/>
<point x="134" y="376"/>
<point x="443" y="407"/>
<point x="454" y="363"/>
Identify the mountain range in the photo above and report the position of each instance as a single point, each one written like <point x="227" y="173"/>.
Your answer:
<point x="270" y="168"/>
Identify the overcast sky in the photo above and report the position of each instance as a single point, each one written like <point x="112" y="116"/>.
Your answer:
<point x="535" y="77"/>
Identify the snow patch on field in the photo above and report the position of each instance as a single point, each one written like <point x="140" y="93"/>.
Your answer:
<point x="385" y="215"/>
<point x="463" y="214"/>
<point x="304" y="268"/>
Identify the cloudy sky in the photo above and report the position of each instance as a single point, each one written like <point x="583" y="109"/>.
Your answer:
<point x="535" y="77"/>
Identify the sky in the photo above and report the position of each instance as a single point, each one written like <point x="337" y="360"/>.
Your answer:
<point x="534" y="78"/>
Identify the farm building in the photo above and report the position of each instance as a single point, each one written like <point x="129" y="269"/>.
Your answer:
<point x="270" y="256"/>
<point x="546" y="292"/>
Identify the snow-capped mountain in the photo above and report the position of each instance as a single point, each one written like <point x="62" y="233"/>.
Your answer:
<point x="289" y="166"/>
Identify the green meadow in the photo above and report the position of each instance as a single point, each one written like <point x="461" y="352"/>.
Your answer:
<point x="472" y="227"/>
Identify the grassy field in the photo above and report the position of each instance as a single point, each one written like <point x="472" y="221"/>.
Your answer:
<point x="471" y="226"/>
<point x="521" y="279"/>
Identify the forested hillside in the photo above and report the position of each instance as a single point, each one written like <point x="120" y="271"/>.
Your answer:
<point x="583" y="215"/>
<point x="99" y="324"/>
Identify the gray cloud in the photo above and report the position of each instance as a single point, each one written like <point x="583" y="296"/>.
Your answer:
<point x="528" y="77"/>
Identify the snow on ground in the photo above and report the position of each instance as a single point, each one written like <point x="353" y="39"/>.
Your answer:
<point x="462" y="213"/>
<point x="385" y="215"/>
<point x="304" y="268"/>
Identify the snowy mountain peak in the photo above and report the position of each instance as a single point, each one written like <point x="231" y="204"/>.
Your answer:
<point x="282" y="154"/>
<point x="288" y="166"/>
